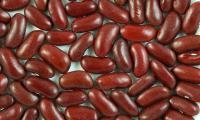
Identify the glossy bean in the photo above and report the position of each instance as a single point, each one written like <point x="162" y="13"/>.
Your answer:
<point x="190" y="58"/>
<point x="120" y="2"/>
<point x="3" y="29"/>
<point x="174" y="115"/>
<point x="12" y="5"/>
<point x="31" y="114"/>
<point x="4" y="16"/>
<point x="181" y="6"/>
<point x="166" y="5"/>
<point x="41" y="4"/>
<point x="123" y="117"/>
<point x="6" y="101"/>
<point x="3" y="83"/>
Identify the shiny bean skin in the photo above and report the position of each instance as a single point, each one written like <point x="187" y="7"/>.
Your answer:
<point x="4" y="16"/>
<point x="181" y="6"/>
<point x="187" y="107"/>
<point x="123" y="117"/>
<point x="102" y="103"/>
<point x="6" y="101"/>
<point x="3" y="83"/>
<point x="17" y="30"/>
<point x="190" y="58"/>
<point x="113" y="12"/>
<point x="79" y="46"/>
<point x="31" y="45"/>
<point x="169" y="29"/>
<point x="120" y="2"/>
<point x="113" y="80"/>
<point x="140" y="58"/>
<point x="125" y="102"/>
<point x="71" y="98"/>
<point x="11" y="66"/>
<point x="76" y="113"/>
<point x="76" y="79"/>
<point x="105" y="38"/>
<point x="32" y="14"/>
<point x="49" y="110"/>
<point x="87" y="23"/>
<point x="41" y="4"/>
<point x="12" y="5"/>
<point x="163" y="74"/>
<point x="79" y="9"/>
<point x="51" y="54"/>
<point x="97" y="65"/>
<point x="174" y="115"/>
<point x="166" y="5"/>
<point x="162" y="53"/>
<point x="31" y="114"/>
<point x="41" y="86"/>
<point x="3" y="29"/>
<point x="138" y="33"/>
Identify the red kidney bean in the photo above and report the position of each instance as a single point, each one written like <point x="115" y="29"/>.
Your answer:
<point x="4" y="16"/>
<point x="155" y="111"/>
<point x="13" y="4"/>
<point x="32" y="14"/>
<point x="120" y="2"/>
<point x="153" y="12"/>
<point x="76" y="113"/>
<point x="125" y="102"/>
<point x="190" y="58"/>
<point x="41" y="4"/>
<point x="97" y="65"/>
<point x="113" y="12"/>
<point x="6" y="101"/>
<point x="163" y="74"/>
<point x="162" y="53"/>
<point x="169" y="29"/>
<point x="41" y="86"/>
<point x="187" y="107"/>
<point x="102" y="103"/>
<point x="141" y="84"/>
<point x="31" y="45"/>
<point x="166" y="5"/>
<point x="31" y="114"/>
<point x="49" y="110"/>
<point x="105" y="38"/>
<point x="181" y="6"/>
<point x="79" y="9"/>
<point x="51" y="54"/>
<point x="3" y="83"/>
<point x="140" y="58"/>
<point x="137" y="12"/>
<point x="11" y="66"/>
<point x="3" y="29"/>
<point x="76" y="79"/>
<point x="71" y="98"/>
<point x="16" y="32"/>
<point x="192" y="18"/>
<point x="87" y="23"/>
<point x="79" y="46"/>
<point x="138" y="33"/>
<point x="174" y="115"/>
<point x="123" y="117"/>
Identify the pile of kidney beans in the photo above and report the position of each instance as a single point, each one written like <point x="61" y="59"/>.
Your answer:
<point x="144" y="50"/>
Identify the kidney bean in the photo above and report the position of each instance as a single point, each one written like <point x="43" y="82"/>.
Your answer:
<point x="113" y="12"/>
<point x="51" y="54"/>
<point x="102" y="103"/>
<point x="3" y="29"/>
<point x="169" y="29"/>
<point x="192" y="18"/>
<point x="32" y="14"/>
<point x="12" y="5"/>
<point x="166" y="5"/>
<point x="41" y="86"/>
<point x="41" y="4"/>
<point x="31" y="45"/>
<point x="76" y="113"/>
<point x="49" y="110"/>
<point x="123" y="117"/>
<point x="79" y="9"/>
<point x="97" y="65"/>
<point x="140" y="58"/>
<point x="136" y="9"/>
<point x="163" y="74"/>
<point x="138" y="33"/>
<point x="31" y="114"/>
<point x="79" y="46"/>
<point x="11" y="66"/>
<point x="4" y="16"/>
<point x="87" y="23"/>
<point x="17" y="30"/>
<point x="174" y="115"/>
<point x="162" y="53"/>
<point x="190" y="58"/>
<point x="3" y="83"/>
<point x="105" y="38"/>
<point x="181" y="6"/>
<point x="120" y="2"/>
<point x="6" y="101"/>
<point x="76" y="79"/>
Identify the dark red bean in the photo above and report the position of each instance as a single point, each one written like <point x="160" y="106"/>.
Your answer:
<point x="31" y="114"/>
<point x="51" y="54"/>
<point x="113" y="12"/>
<point x="181" y="6"/>
<point x="123" y="117"/>
<point x="120" y="2"/>
<point x="174" y="115"/>
<point x="16" y="32"/>
<point x="41" y="4"/>
<point x="169" y="29"/>
<point x="3" y="83"/>
<point x="6" y="101"/>
<point x="190" y="58"/>
<point x="31" y="45"/>
<point x="166" y="5"/>
<point x="3" y="29"/>
<point x="105" y="38"/>
<point x="13" y="4"/>
<point x="4" y="16"/>
<point x="138" y="33"/>
<point x="11" y="66"/>
<point x="102" y="103"/>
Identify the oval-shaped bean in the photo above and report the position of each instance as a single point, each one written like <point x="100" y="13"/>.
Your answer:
<point x="138" y="33"/>
<point x="169" y="29"/>
<point x="87" y="23"/>
<point x="181" y="6"/>
<point x="102" y="103"/>
<point x="105" y="38"/>
<point x="6" y="101"/>
<point x="174" y="115"/>
<point x="51" y="54"/>
<point x="13" y="4"/>
<point x="16" y="32"/>
<point x="4" y="16"/>
<point x="31" y="45"/>
<point x="123" y="117"/>
<point x="97" y="65"/>
<point x="41" y="4"/>
<point x="113" y="12"/>
<point x="190" y="58"/>
<point x="3" y="83"/>
<point x="120" y="2"/>
<point x="32" y="14"/>
<point x="162" y="53"/>
<point x="166" y="5"/>
<point x="137" y="12"/>
<point x="31" y="114"/>
<point x="163" y="74"/>
<point x="79" y="46"/>
<point x="11" y="66"/>
<point x="3" y="29"/>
